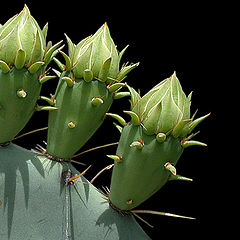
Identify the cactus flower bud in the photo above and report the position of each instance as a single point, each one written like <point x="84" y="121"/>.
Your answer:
<point x="22" y="42"/>
<point x="24" y="56"/>
<point x="161" y="119"/>
<point x="163" y="107"/>
<point x="98" y="54"/>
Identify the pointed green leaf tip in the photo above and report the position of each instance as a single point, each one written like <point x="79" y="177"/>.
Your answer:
<point x="97" y="54"/>
<point x="179" y="177"/>
<point x="118" y="118"/>
<point x="22" y="42"/>
<point x="186" y="144"/>
<point x="116" y="158"/>
<point x="134" y="117"/>
<point x="194" y="123"/>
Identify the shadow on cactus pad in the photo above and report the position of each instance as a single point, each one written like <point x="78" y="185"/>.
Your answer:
<point x="37" y="204"/>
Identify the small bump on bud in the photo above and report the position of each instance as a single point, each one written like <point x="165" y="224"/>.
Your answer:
<point x="71" y="124"/>
<point x="139" y="144"/>
<point x="88" y="75"/>
<point x="161" y="137"/>
<point x="129" y="202"/>
<point x="21" y="93"/>
<point x="168" y="166"/>
<point x="96" y="101"/>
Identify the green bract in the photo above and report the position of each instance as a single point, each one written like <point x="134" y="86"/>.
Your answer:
<point x="22" y="42"/>
<point x="164" y="109"/>
<point x="97" y="57"/>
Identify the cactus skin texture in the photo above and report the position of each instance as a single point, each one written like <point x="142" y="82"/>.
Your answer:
<point x="141" y="168"/>
<point x="75" y="105"/>
<point x="152" y="143"/>
<point x="86" y="89"/>
<point x="15" y="111"/>
<point x="36" y="204"/>
<point x="24" y="57"/>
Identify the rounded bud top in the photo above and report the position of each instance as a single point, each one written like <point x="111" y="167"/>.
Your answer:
<point x="96" y="57"/>
<point x="22" y="42"/>
<point x="162" y="108"/>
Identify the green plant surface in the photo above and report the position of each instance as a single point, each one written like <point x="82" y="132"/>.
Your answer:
<point x="15" y="111"/>
<point x="36" y="204"/>
<point x="24" y="56"/>
<point x="77" y="118"/>
<point x="141" y="172"/>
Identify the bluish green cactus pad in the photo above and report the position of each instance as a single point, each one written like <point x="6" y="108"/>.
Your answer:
<point x="33" y="201"/>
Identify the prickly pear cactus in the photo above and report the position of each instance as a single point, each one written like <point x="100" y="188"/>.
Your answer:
<point x="85" y="92"/>
<point x="151" y="143"/>
<point x="24" y="57"/>
<point x="36" y="202"/>
<point x="42" y="196"/>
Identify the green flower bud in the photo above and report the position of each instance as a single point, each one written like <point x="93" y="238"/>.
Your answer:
<point x="98" y="54"/>
<point x="163" y="107"/>
<point x="22" y="42"/>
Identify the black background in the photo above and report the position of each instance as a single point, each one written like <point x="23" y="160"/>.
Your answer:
<point x="186" y="38"/>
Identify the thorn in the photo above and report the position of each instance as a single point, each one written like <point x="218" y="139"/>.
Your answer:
<point x="161" y="213"/>
<point x="72" y="179"/>
<point x="179" y="177"/>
